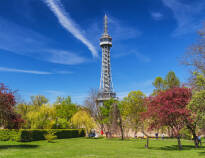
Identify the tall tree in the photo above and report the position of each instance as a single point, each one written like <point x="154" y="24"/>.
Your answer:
<point x="194" y="58"/>
<point x="197" y="107"/>
<point x="159" y="85"/>
<point x="131" y="108"/>
<point x="168" y="108"/>
<point x="171" y="80"/>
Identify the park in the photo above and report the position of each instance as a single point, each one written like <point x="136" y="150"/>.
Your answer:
<point x="51" y="105"/>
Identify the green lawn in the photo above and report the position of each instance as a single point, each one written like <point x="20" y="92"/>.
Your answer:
<point x="102" y="148"/>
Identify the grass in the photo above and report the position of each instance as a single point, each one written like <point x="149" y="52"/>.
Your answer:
<point x="99" y="148"/>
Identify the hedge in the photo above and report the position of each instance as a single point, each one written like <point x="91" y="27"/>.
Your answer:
<point x="25" y="135"/>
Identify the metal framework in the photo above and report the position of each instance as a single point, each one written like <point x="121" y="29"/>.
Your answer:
<point x="106" y="90"/>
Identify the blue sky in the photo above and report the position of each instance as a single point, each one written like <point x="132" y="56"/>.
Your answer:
<point x="51" y="47"/>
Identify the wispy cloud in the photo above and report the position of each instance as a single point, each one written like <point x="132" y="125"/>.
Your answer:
<point x="55" y="93"/>
<point x="157" y="15"/>
<point x="137" y="54"/>
<point x="25" y="71"/>
<point x="64" y="57"/>
<point x="188" y="14"/>
<point x="23" y="41"/>
<point x="67" y="23"/>
<point x="6" y="69"/>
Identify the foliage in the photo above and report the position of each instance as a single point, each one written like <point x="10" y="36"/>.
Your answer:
<point x="131" y="108"/>
<point x="197" y="107"/>
<point x="39" y="100"/>
<point x="82" y="119"/>
<point x="9" y="134"/>
<point x="168" y="108"/>
<point x="41" y="117"/>
<point x="64" y="108"/>
<point x="8" y="117"/>
<point x="171" y="81"/>
<point x="44" y="116"/>
<point x="159" y="84"/>
<point x="26" y="135"/>
<point x="50" y="136"/>
<point x="198" y="81"/>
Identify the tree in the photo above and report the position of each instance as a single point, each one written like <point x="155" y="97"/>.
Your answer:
<point x="94" y="108"/>
<point x="197" y="107"/>
<point x="42" y="117"/>
<point x="159" y="84"/>
<point x="171" y="80"/>
<point x="131" y="108"/>
<point x="39" y="100"/>
<point x="106" y="114"/>
<point x="8" y="117"/>
<point x="194" y="58"/>
<point x="82" y="119"/>
<point x="65" y="109"/>
<point x="168" y="108"/>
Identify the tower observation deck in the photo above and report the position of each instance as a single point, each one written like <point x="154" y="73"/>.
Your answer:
<point x="106" y="91"/>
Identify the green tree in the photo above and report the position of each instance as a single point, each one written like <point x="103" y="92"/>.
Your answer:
<point x="42" y="117"/>
<point x="65" y="109"/>
<point x="159" y="85"/>
<point x="197" y="107"/>
<point x="171" y="80"/>
<point x="82" y="119"/>
<point x="38" y="100"/>
<point x="131" y="108"/>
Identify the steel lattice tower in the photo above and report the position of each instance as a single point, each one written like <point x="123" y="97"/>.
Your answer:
<point x="106" y="91"/>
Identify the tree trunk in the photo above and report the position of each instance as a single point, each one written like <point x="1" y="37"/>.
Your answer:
<point x="192" y="129"/>
<point x="147" y="143"/>
<point x="196" y="142"/>
<point x="179" y="143"/>
<point x="121" y="128"/>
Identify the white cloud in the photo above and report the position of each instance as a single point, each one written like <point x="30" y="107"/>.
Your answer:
<point x="68" y="24"/>
<point x="189" y="15"/>
<point x="64" y="57"/>
<point x="156" y="15"/>
<point x="23" y="41"/>
<point x="138" y="55"/>
<point x="25" y="71"/>
<point x="5" y="69"/>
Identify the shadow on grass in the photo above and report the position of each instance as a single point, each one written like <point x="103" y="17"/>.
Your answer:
<point x="175" y="148"/>
<point x="23" y="146"/>
<point x="202" y="154"/>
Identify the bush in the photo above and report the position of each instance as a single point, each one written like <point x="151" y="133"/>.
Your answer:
<point x="9" y="134"/>
<point x="50" y="136"/>
<point x="26" y="135"/>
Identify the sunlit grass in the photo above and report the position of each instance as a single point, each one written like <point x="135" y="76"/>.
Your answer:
<point x="102" y="148"/>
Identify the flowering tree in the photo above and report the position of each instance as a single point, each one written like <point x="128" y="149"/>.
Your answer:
<point x="168" y="108"/>
<point x="8" y="117"/>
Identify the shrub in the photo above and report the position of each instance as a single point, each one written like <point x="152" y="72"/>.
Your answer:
<point x="9" y="134"/>
<point x="26" y="135"/>
<point x="50" y="136"/>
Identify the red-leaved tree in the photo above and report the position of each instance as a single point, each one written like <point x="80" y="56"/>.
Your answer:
<point x="168" y="108"/>
<point x="8" y="117"/>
